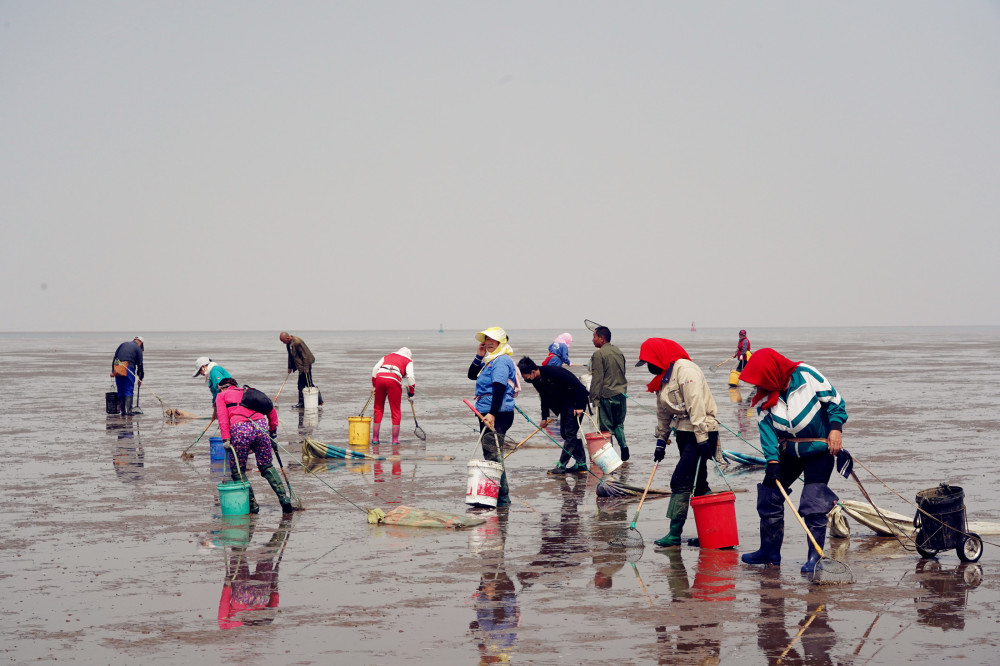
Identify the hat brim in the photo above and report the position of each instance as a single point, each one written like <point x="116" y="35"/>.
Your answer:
<point x="638" y="363"/>
<point x="197" y="372"/>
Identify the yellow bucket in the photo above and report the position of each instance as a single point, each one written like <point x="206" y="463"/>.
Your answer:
<point x="734" y="377"/>
<point x="359" y="430"/>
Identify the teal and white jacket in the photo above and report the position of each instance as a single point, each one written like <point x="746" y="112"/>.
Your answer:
<point x="809" y="407"/>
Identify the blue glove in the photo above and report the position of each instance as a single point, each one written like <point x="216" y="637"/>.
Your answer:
<point x="660" y="450"/>
<point x="771" y="474"/>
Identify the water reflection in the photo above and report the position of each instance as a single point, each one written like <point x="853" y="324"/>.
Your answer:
<point x="813" y="641"/>
<point x="128" y="456"/>
<point x="700" y="638"/>
<point x="250" y="597"/>
<point x="948" y="589"/>
<point x="561" y="541"/>
<point x="390" y="490"/>
<point x="498" y="614"/>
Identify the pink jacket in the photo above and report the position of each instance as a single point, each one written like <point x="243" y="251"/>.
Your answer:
<point x="231" y="415"/>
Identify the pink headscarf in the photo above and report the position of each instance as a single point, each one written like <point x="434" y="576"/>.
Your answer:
<point x="564" y="338"/>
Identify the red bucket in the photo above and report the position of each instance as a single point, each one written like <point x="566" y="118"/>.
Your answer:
<point x="715" y="518"/>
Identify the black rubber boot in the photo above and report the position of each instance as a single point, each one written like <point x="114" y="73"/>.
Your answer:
<point x="121" y="405"/>
<point x="819" y="533"/>
<point x="625" y="455"/>
<point x="127" y="409"/>
<point x="273" y="478"/>
<point x="772" y="527"/>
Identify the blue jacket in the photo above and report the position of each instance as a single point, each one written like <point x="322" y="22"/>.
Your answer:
<point x="560" y="354"/>
<point x="498" y="371"/>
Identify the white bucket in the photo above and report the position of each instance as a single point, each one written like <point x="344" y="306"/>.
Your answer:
<point x="607" y="459"/>
<point x="310" y="399"/>
<point x="484" y="482"/>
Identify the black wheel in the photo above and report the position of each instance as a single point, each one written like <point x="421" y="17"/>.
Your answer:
<point x="926" y="554"/>
<point x="971" y="549"/>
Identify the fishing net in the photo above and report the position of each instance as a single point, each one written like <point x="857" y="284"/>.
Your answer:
<point x="590" y="324"/>
<point x="628" y="538"/>
<point x="411" y="517"/>
<point x="831" y="572"/>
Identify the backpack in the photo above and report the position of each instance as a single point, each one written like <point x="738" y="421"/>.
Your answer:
<point x="256" y="400"/>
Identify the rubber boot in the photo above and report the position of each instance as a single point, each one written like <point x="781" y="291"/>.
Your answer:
<point x="816" y="502"/>
<point x="395" y="435"/>
<point x="772" y="527"/>
<point x="560" y="467"/>
<point x="274" y="478"/>
<point x="127" y="409"/>
<point x="121" y="405"/>
<point x="254" y="508"/>
<point x="625" y="454"/>
<point x="813" y="557"/>
<point x="677" y="513"/>
<point x="375" y="428"/>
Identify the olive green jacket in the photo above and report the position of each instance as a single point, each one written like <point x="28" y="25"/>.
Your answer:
<point x="607" y="370"/>
<point x="299" y="356"/>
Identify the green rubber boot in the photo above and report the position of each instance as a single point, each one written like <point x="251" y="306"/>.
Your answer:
<point x="677" y="513"/>
<point x="272" y="476"/>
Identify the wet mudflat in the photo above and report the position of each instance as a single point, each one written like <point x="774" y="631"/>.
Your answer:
<point x="114" y="549"/>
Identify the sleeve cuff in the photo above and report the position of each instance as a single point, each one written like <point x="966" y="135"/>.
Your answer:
<point x="836" y="426"/>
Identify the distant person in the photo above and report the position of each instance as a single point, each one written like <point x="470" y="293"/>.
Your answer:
<point x="213" y="374"/>
<point x="301" y="359"/>
<point x="388" y="377"/>
<point x="608" y="386"/>
<point x="742" y="351"/>
<point x="496" y="379"/>
<point x="245" y="431"/>
<point x="559" y="351"/>
<point x="800" y="419"/>
<point x="127" y="369"/>
<point x="685" y="405"/>
<point x="563" y="394"/>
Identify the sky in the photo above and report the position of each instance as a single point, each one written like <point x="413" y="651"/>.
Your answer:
<point x="172" y="166"/>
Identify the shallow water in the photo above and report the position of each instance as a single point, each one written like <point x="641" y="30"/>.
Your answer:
<point x="114" y="548"/>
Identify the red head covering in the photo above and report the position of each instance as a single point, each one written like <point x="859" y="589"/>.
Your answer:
<point x="662" y="353"/>
<point x="769" y="371"/>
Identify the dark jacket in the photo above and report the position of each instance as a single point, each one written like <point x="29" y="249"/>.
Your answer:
<point x="131" y="351"/>
<point x="560" y="390"/>
<point x="299" y="356"/>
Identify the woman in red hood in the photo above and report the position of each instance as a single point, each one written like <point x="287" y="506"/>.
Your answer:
<point x="685" y="404"/>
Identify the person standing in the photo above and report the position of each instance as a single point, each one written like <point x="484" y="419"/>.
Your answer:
<point x="301" y="359"/>
<point x="800" y="418"/>
<point x="127" y="369"/>
<point x="496" y="380"/>
<point x="245" y="431"/>
<point x="684" y="404"/>
<point x="559" y="350"/>
<point x="213" y="374"/>
<point x="387" y="381"/>
<point x="563" y="394"/>
<point x="608" y="386"/>
<point x="742" y="351"/>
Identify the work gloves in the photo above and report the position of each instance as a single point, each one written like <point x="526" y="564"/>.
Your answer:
<point x="771" y="474"/>
<point x="226" y="444"/>
<point x="660" y="450"/>
<point x="409" y="393"/>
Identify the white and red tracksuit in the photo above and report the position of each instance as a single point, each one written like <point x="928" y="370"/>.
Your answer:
<point x="387" y="379"/>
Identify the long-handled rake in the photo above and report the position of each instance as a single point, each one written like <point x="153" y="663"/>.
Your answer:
<point x="630" y="537"/>
<point x="828" y="571"/>
<point x="184" y="453"/>
<point x="296" y="502"/>
<point x="719" y="365"/>
<point x="417" y="430"/>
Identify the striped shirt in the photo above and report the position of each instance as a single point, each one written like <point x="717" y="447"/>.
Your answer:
<point x="809" y="407"/>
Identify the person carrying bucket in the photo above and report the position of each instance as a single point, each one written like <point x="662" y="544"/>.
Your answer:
<point x="245" y="431"/>
<point x="608" y="386"/>
<point x="685" y="404"/>
<point x="558" y="351"/>
<point x="497" y="383"/>
<point x="301" y="359"/>
<point x="127" y="370"/>
<point x="387" y="381"/>
<point x="561" y="393"/>
<point x="800" y="418"/>
<point x="742" y="351"/>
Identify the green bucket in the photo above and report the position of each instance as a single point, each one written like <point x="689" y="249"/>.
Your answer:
<point x="234" y="531"/>
<point x="234" y="498"/>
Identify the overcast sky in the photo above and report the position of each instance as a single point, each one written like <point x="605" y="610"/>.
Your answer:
<point x="399" y="165"/>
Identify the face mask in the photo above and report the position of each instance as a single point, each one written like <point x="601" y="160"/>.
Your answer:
<point x="653" y="370"/>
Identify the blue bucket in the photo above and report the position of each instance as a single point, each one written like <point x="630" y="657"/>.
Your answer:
<point x="216" y="451"/>
<point x="234" y="498"/>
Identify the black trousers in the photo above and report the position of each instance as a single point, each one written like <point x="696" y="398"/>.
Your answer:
<point x="694" y="458"/>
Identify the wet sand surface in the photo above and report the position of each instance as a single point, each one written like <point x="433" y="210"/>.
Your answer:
<point x="114" y="548"/>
